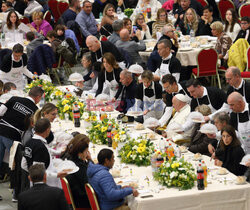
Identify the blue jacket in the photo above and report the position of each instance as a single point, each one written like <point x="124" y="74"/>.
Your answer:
<point x="41" y="59"/>
<point x="109" y="194"/>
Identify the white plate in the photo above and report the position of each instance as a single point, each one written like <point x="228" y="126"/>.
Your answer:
<point x="134" y="113"/>
<point x="186" y="49"/>
<point x="218" y="172"/>
<point x="198" y="121"/>
<point x="240" y="183"/>
<point x="206" y="131"/>
<point x="205" y="45"/>
<point x="67" y="165"/>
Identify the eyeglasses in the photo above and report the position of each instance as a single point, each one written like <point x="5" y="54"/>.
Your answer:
<point x="140" y="19"/>
<point x="162" y="15"/>
<point x="243" y="23"/>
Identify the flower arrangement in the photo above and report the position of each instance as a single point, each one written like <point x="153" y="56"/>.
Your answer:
<point x="176" y="173"/>
<point x="65" y="105"/>
<point x="137" y="152"/>
<point x="98" y="132"/>
<point x="128" y="12"/>
<point x="51" y="92"/>
<point x="89" y="116"/>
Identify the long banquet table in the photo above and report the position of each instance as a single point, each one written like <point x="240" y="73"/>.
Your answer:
<point x="221" y="193"/>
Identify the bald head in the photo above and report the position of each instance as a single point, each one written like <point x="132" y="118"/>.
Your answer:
<point x="178" y="104"/>
<point x="233" y="76"/>
<point x="236" y="102"/>
<point x="93" y="43"/>
<point x="124" y="34"/>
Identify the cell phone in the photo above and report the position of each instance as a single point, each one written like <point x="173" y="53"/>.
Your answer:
<point x="134" y="29"/>
<point x="146" y="196"/>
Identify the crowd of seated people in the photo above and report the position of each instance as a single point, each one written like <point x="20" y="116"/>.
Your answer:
<point x="157" y="90"/>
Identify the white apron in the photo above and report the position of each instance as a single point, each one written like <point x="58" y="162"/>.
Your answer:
<point x="148" y="102"/>
<point x="15" y="75"/>
<point x="210" y="105"/>
<point x="244" y="131"/>
<point x="110" y="87"/>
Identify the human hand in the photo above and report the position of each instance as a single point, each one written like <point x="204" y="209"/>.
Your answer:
<point x="113" y="99"/>
<point x="145" y="112"/>
<point x="206" y="118"/>
<point x="92" y="75"/>
<point x="138" y="34"/>
<point x="62" y="173"/>
<point x="218" y="162"/>
<point x="248" y="163"/>
<point x="79" y="84"/>
<point x="144" y="27"/>
<point x="41" y="32"/>
<point x="220" y="56"/>
<point x="181" y="16"/>
<point x="98" y="27"/>
<point x="88" y="156"/>
<point x="135" y="193"/>
<point x="211" y="149"/>
<point x="120" y="2"/>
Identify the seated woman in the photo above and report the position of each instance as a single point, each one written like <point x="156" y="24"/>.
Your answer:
<point x="190" y="22"/>
<point x="12" y="23"/>
<point x="149" y="96"/>
<point x="161" y="20"/>
<point x="64" y="33"/>
<point x="144" y="5"/>
<point x="232" y="152"/>
<point x="127" y="23"/>
<point x="141" y="25"/>
<point x="77" y="151"/>
<point x="42" y="26"/>
<point x="199" y="141"/>
<point x="109" y="17"/>
<point x="109" y="78"/>
<point x="223" y="43"/>
<point x="232" y="26"/>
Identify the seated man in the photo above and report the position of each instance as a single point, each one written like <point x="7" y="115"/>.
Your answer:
<point x="32" y="6"/>
<point x="169" y="63"/>
<point x="41" y="196"/>
<point x="211" y="96"/>
<point x="110" y="195"/>
<point x="71" y="13"/>
<point x="131" y="47"/>
<point x="245" y="29"/>
<point x="117" y="26"/>
<point x="8" y="86"/>
<point x="128" y="91"/>
<point x="172" y="88"/>
<point x="86" y="20"/>
<point x="35" y="39"/>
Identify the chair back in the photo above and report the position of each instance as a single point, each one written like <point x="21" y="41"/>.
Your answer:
<point x="248" y="59"/>
<point x="47" y="16"/>
<point x="53" y="5"/>
<point x="223" y="6"/>
<point x="92" y="197"/>
<point x="103" y="38"/>
<point x="62" y="7"/>
<point x="207" y="62"/>
<point x="203" y="2"/>
<point x="244" y="10"/>
<point x="67" y="192"/>
<point x="24" y="20"/>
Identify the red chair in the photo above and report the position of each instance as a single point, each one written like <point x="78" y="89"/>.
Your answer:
<point x="68" y="194"/>
<point x="47" y="16"/>
<point x="62" y="7"/>
<point x="24" y="20"/>
<point x="244" y="10"/>
<point x="103" y="38"/>
<point x="246" y="74"/>
<point x="207" y="65"/>
<point x="223" y="6"/>
<point x="53" y="5"/>
<point x="203" y="2"/>
<point x="92" y="197"/>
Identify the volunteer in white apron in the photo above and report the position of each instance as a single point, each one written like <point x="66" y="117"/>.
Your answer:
<point x="205" y="93"/>
<point x="14" y="73"/>
<point x="109" y="79"/>
<point x="149" y="97"/>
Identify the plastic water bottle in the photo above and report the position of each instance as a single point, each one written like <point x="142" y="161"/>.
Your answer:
<point x="162" y="145"/>
<point x="119" y="10"/>
<point x="192" y="36"/>
<point x="100" y="15"/>
<point x="42" y="101"/>
<point x="177" y="152"/>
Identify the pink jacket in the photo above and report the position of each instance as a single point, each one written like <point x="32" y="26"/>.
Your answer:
<point x="45" y="27"/>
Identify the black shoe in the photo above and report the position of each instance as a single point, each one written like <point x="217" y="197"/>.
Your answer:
<point x="1" y="198"/>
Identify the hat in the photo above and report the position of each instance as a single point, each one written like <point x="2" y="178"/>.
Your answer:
<point x="136" y="69"/>
<point x="75" y="77"/>
<point x="182" y="98"/>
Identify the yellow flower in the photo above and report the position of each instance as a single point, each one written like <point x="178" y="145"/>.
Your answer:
<point x="58" y="93"/>
<point x="123" y="132"/>
<point x="117" y="136"/>
<point x="93" y="118"/>
<point x="80" y="104"/>
<point x="65" y="101"/>
<point x="129" y="154"/>
<point x="30" y="85"/>
<point x="140" y="149"/>
<point x="66" y="108"/>
<point x="104" y="129"/>
<point x="141" y="145"/>
<point x="97" y="126"/>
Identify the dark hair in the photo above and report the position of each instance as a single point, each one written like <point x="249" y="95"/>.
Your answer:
<point x="168" y="78"/>
<point x="72" y="2"/>
<point x="1" y="86"/>
<point x="246" y="18"/>
<point x="166" y="42"/>
<point x="193" y="82"/>
<point x="36" y="91"/>
<point x="42" y="125"/>
<point x="77" y="145"/>
<point x="30" y="36"/>
<point x="222" y="117"/>
<point x="51" y="34"/>
<point x="74" y="133"/>
<point x="18" y="48"/>
<point x="126" y="20"/>
<point x="103" y="155"/>
<point x="147" y="74"/>
<point x="60" y="27"/>
<point x="9" y="23"/>
<point x="209" y="8"/>
<point x="161" y="10"/>
<point x="36" y="172"/>
<point x="234" y="20"/>
<point x="110" y="59"/>
<point x="117" y="25"/>
<point x="231" y="131"/>
<point x="86" y="1"/>
<point x="8" y="4"/>
<point x="7" y="86"/>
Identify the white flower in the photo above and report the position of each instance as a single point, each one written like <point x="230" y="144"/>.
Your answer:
<point x="168" y="165"/>
<point x="135" y="147"/>
<point x="85" y="115"/>
<point x="173" y="174"/>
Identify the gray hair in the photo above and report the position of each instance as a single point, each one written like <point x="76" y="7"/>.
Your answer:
<point x="86" y="1"/>
<point x="126" y="73"/>
<point x="235" y="71"/>
<point x="117" y="25"/>
<point x="222" y="117"/>
<point x="166" y="29"/>
<point x="87" y="55"/>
